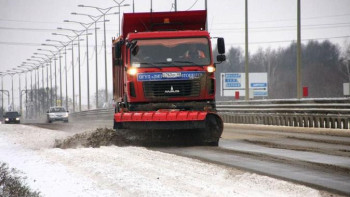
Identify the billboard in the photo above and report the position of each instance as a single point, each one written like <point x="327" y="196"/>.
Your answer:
<point x="233" y="82"/>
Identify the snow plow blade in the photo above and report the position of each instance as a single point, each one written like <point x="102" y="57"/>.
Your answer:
<point x="169" y="127"/>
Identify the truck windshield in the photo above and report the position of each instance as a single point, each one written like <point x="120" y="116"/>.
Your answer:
<point x="170" y="52"/>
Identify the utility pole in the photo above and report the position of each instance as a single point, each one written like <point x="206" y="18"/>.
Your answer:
<point x="206" y="21"/>
<point x="298" y="53"/>
<point x="246" y="53"/>
<point x="175" y="5"/>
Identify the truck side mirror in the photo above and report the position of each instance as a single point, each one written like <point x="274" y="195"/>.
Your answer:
<point x="118" y="50"/>
<point x="221" y="46"/>
<point x="221" y="58"/>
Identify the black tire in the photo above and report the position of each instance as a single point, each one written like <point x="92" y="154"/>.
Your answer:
<point x="211" y="134"/>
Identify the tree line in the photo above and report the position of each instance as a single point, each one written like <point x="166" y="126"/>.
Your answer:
<point x="324" y="69"/>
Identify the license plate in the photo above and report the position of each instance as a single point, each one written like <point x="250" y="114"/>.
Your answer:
<point x="171" y="75"/>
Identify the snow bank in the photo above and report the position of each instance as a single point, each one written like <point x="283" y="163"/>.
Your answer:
<point x="126" y="171"/>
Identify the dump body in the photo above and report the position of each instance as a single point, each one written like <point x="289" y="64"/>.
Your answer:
<point x="163" y="72"/>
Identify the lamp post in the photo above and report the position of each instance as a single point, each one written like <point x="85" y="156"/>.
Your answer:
<point x="60" y="64"/>
<point x="104" y="12"/>
<point x="37" y="79"/>
<point x="33" y="68"/>
<point x="54" y="58"/>
<point x="48" y="61"/>
<point x="11" y="73"/>
<point x="86" y="27"/>
<point x="71" y="38"/>
<point x="26" y="70"/>
<point x="19" y="72"/>
<point x="78" y="34"/>
<point x="120" y="5"/>
<point x="45" y="61"/>
<point x="2" y="94"/>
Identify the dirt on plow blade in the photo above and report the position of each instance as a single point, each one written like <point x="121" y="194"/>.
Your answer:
<point x="172" y="133"/>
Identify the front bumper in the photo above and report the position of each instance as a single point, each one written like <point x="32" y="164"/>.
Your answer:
<point x="58" y="119"/>
<point x="12" y="121"/>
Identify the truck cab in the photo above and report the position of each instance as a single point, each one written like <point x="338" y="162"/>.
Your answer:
<point x="164" y="64"/>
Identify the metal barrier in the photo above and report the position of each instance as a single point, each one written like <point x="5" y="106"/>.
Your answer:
<point x="316" y="113"/>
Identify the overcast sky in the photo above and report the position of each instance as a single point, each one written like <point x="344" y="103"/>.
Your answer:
<point x="25" y="25"/>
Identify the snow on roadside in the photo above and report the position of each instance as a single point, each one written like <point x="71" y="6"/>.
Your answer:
<point x="126" y="171"/>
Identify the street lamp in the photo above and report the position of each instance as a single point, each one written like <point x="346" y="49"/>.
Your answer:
<point x="26" y="69"/>
<point x="54" y="58"/>
<point x="104" y="12"/>
<point x="11" y="73"/>
<point x="42" y="65"/>
<point x="120" y="5"/>
<point x="71" y="38"/>
<point x="95" y="20"/>
<point x="34" y="68"/>
<point x="78" y="34"/>
<point x="19" y="71"/>
<point x="60" y="64"/>
<point x="86" y="26"/>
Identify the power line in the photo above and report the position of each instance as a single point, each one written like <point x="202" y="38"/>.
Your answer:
<point x="282" y="28"/>
<point x="285" y="41"/>
<point x="25" y="29"/>
<point x="291" y="19"/>
<point x="25" y="21"/>
<point x="252" y="28"/>
<point x="20" y="44"/>
<point x="35" y="44"/>
<point x="192" y="5"/>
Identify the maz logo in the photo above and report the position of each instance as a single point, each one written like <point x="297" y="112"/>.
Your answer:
<point x="172" y="90"/>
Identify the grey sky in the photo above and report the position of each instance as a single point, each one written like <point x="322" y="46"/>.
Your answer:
<point x="24" y="25"/>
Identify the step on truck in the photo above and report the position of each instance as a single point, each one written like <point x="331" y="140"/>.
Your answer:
<point x="163" y="78"/>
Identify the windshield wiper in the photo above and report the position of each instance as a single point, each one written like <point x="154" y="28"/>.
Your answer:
<point x="169" y="63"/>
<point x="189" y="62"/>
<point x="150" y="65"/>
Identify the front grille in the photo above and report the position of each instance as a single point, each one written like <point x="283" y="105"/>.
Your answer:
<point x="154" y="89"/>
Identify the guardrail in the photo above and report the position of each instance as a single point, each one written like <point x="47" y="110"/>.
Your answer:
<point x="315" y="113"/>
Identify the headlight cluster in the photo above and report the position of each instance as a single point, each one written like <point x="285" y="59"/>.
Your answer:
<point x="17" y="119"/>
<point x="65" y="115"/>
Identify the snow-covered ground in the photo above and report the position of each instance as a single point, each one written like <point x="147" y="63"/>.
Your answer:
<point x="126" y="171"/>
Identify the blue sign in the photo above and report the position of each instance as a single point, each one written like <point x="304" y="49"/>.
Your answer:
<point x="260" y="93"/>
<point x="232" y="75"/>
<point x="231" y="80"/>
<point x="233" y="85"/>
<point x="258" y="85"/>
<point x="169" y="76"/>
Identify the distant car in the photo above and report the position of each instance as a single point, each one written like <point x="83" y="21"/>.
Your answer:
<point x="12" y="117"/>
<point x="57" y="114"/>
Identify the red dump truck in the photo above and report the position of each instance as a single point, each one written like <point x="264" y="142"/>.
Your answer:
<point x="163" y="75"/>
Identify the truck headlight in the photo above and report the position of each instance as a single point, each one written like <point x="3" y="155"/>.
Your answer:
<point x="7" y="119"/>
<point x="132" y="71"/>
<point x="211" y="69"/>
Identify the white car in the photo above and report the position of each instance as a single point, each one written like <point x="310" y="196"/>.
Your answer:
<point x="57" y="114"/>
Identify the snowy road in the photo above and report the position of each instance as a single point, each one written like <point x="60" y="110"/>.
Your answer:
<point x="126" y="171"/>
